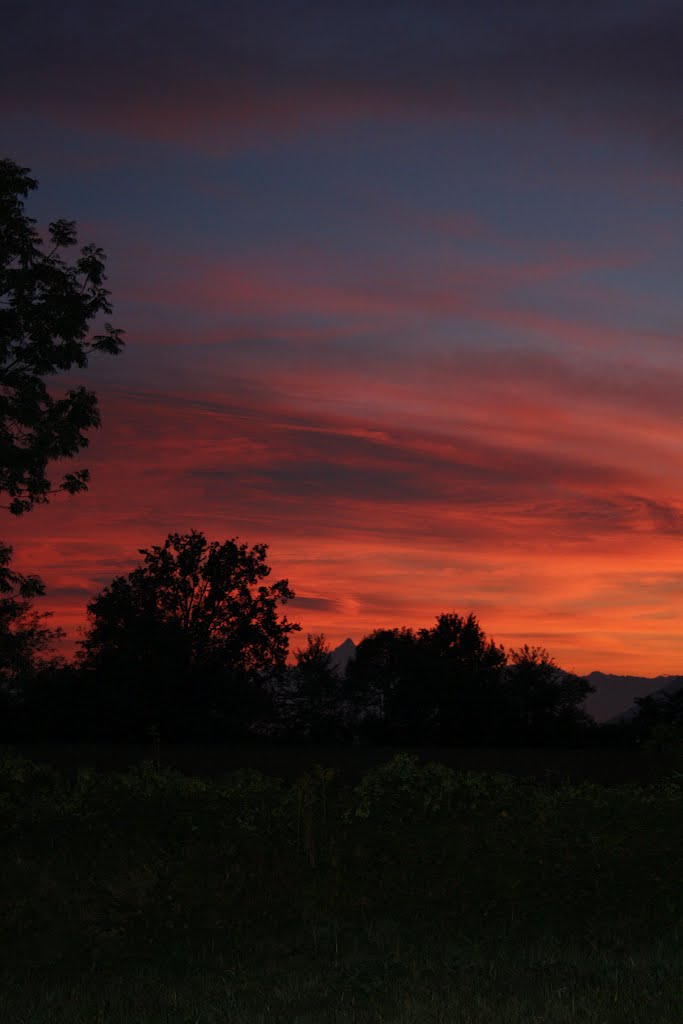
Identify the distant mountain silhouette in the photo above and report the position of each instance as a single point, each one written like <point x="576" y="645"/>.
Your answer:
<point x="614" y="696"/>
<point x="340" y="656"/>
<point x="673" y="685"/>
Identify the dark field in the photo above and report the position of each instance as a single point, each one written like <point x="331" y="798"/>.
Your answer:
<point x="421" y="897"/>
<point x="608" y="766"/>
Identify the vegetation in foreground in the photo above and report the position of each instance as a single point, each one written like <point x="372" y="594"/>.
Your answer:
<point x="421" y="894"/>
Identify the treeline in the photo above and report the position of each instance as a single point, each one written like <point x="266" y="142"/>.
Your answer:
<point x="192" y="646"/>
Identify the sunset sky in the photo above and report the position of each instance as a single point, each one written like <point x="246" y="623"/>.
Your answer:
<point x="402" y="292"/>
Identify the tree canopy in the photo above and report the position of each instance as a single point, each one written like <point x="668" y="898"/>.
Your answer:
<point x="193" y="614"/>
<point x="309" y="698"/>
<point x="544" y="702"/>
<point x="452" y="684"/>
<point x="434" y="685"/>
<point x="47" y="306"/>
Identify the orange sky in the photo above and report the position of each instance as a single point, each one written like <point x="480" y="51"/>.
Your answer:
<point x="416" y="326"/>
<point x="377" y="524"/>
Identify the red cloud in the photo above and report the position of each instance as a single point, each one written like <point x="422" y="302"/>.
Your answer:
<point x="393" y="524"/>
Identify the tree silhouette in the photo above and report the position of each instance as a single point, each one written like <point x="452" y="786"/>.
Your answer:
<point x="439" y="685"/>
<point x="462" y="688"/>
<point x="450" y="684"/>
<point x="386" y="661"/>
<point x="25" y="640"/>
<point x="309" y="700"/>
<point x="543" y="702"/>
<point x="46" y="308"/>
<point x="659" y="722"/>
<point x="189" y="637"/>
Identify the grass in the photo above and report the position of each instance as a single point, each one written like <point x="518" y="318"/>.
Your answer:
<point x="537" y="986"/>
<point x="419" y="895"/>
<point x="615" y="765"/>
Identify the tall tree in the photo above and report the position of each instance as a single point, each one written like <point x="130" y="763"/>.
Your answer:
<point x="309" y="700"/>
<point x="47" y="306"/>
<point x="193" y="630"/>
<point x="382" y="685"/>
<point x="462" y="672"/>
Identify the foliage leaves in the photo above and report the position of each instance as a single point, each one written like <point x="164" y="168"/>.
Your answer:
<point x="47" y="306"/>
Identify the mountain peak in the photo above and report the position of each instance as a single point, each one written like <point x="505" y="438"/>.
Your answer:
<point x="341" y="656"/>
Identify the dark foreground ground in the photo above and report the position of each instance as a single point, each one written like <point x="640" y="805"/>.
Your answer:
<point x="147" y="898"/>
